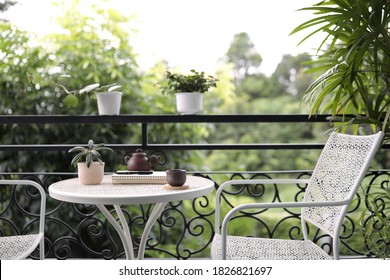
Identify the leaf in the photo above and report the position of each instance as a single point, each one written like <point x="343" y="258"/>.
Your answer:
<point x="71" y="101"/>
<point x="89" y="88"/>
<point x="64" y="76"/>
<point x="77" y="158"/>
<point x="88" y="159"/>
<point x="76" y="149"/>
<point x="104" y="149"/>
<point x="95" y="155"/>
<point x="90" y="144"/>
<point x="85" y="65"/>
<point x="114" y="88"/>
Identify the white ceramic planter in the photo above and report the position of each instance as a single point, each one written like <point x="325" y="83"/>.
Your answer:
<point x="188" y="103"/>
<point x="109" y="103"/>
<point x="92" y="175"/>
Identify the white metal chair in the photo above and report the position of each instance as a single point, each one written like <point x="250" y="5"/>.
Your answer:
<point x="339" y="171"/>
<point x="21" y="246"/>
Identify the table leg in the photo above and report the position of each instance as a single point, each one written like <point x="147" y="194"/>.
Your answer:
<point x="123" y="230"/>
<point x="125" y="227"/>
<point x="157" y="210"/>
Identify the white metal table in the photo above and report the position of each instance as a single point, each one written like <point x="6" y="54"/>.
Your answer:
<point x="107" y="193"/>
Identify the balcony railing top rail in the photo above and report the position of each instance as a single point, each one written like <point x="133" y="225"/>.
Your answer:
<point x="67" y="119"/>
<point x="146" y="120"/>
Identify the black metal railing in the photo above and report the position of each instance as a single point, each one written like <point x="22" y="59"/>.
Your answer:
<point x="146" y="120"/>
<point x="185" y="228"/>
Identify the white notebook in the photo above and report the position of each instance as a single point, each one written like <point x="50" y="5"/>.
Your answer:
<point x="158" y="177"/>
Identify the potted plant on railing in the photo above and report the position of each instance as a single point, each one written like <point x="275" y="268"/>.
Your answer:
<point x="90" y="171"/>
<point x="189" y="90"/>
<point x="108" y="99"/>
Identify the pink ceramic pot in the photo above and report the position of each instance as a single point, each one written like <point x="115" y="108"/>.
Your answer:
<point x="92" y="175"/>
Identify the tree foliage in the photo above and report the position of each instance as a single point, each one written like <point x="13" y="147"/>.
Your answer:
<point x="94" y="48"/>
<point x="5" y="5"/>
<point x="243" y="55"/>
<point x="292" y="75"/>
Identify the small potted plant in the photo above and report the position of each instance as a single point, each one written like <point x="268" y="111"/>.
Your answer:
<point x="189" y="90"/>
<point x="108" y="99"/>
<point x="90" y="171"/>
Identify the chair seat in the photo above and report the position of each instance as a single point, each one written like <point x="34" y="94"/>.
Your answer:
<point x="18" y="246"/>
<point x="247" y="248"/>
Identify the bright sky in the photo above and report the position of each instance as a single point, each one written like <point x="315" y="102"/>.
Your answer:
<point x="196" y="33"/>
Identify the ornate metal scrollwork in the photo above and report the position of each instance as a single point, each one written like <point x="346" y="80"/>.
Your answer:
<point x="185" y="228"/>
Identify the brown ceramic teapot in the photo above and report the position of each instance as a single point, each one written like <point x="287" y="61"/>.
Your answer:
<point x="140" y="162"/>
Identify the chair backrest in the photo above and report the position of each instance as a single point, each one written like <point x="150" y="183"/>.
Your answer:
<point x="340" y="169"/>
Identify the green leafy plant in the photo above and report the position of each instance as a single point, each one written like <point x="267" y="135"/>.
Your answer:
<point x="353" y="61"/>
<point x="91" y="153"/>
<point x="375" y="223"/>
<point x="194" y="82"/>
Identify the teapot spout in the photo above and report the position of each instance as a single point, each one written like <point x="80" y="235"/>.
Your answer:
<point x="126" y="159"/>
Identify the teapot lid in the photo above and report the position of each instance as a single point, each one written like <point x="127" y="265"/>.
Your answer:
<point x="139" y="152"/>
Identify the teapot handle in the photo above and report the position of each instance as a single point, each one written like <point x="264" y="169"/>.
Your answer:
<point x="126" y="159"/>
<point x="154" y="160"/>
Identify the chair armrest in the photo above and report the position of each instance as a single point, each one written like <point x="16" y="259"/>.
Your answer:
<point x="247" y="206"/>
<point x="253" y="182"/>
<point x="262" y="182"/>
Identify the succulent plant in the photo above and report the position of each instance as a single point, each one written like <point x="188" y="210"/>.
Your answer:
<point x="90" y="153"/>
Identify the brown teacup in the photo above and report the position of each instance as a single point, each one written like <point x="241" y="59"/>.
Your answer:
<point x="176" y="177"/>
